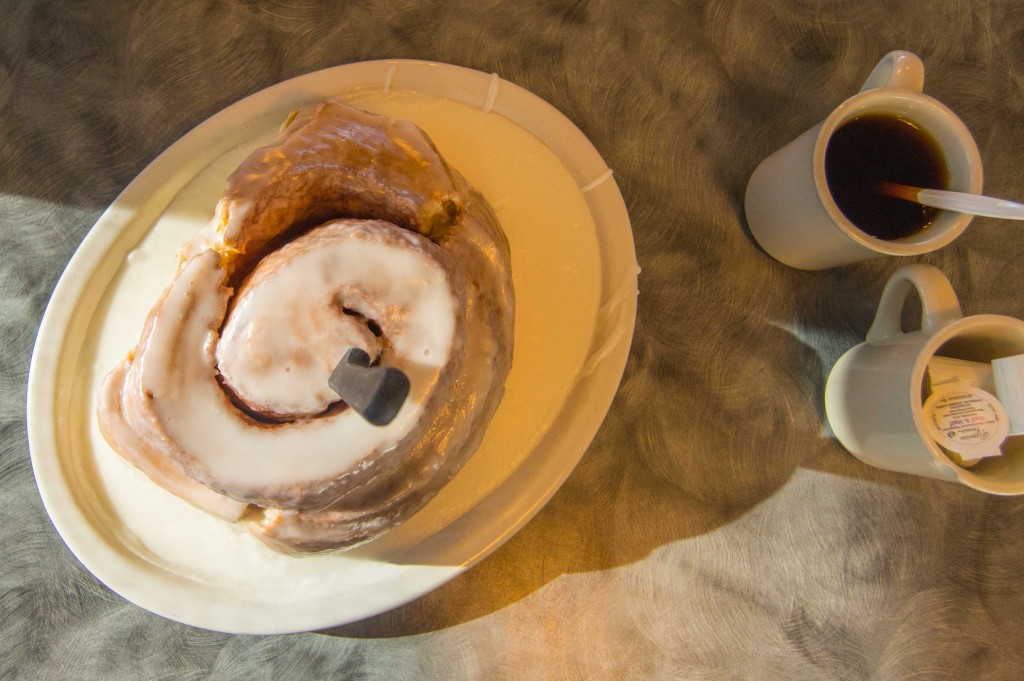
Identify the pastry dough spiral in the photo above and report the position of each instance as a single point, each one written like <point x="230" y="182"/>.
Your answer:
<point x="349" y="231"/>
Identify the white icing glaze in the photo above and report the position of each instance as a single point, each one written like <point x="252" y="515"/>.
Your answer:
<point x="310" y="301"/>
<point x="229" y="453"/>
<point x="457" y="415"/>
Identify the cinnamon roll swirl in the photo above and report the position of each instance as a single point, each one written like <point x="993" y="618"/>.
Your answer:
<point x="349" y="231"/>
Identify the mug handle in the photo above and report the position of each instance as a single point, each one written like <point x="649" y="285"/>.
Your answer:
<point x="939" y="304"/>
<point x="898" y="69"/>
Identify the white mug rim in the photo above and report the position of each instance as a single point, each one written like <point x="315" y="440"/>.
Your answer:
<point x="869" y="101"/>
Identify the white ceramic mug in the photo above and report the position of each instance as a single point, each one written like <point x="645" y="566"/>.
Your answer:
<point x="788" y="206"/>
<point x="875" y="393"/>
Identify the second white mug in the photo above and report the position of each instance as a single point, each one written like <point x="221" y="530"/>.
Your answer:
<point x="875" y="393"/>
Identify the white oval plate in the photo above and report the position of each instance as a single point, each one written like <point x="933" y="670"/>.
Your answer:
<point x="171" y="559"/>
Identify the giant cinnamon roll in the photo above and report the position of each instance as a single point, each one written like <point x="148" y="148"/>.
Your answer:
<point x="349" y="231"/>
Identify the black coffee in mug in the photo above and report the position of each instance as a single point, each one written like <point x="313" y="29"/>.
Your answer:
<point x="875" y="148"/>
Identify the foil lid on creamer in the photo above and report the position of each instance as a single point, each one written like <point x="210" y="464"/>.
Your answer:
<point x="966" y="421"/>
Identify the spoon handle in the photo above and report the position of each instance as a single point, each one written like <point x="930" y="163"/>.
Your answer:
<point x="960" y="202"/>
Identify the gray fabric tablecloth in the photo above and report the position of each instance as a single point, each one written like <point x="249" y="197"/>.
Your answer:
<point x="714" y="529"/>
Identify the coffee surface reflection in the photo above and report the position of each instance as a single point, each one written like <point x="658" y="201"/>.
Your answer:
<point x="875" y="148"/>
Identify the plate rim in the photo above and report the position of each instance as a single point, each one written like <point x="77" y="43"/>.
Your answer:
<point x="43" y="394"/>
